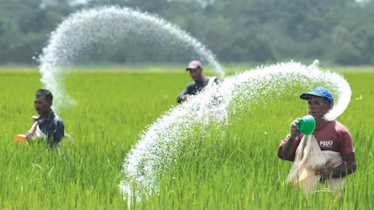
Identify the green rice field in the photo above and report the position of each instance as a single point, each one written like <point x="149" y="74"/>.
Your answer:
<point x="237" y="170"/>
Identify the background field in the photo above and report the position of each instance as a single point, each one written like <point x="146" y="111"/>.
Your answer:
<point x="240" y="171"/>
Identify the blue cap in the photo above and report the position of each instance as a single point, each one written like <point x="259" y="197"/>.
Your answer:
<point x="319" y="92"/>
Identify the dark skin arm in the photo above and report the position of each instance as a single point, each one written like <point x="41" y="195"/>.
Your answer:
<point x="287" y="148"/>
<point x="347" y="167"/>
<point x="184" y="95"/>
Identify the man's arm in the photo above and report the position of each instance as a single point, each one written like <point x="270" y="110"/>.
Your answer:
<point x="347" y="167"/>
<point x="184" y="95"/>
<point x="287" y="152"/>
<point x="347" y="153"/>
<point x="287" y="148"/>
<point x="29" y="135"/>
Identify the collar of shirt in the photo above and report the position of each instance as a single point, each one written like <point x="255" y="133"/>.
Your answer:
<point x="50" y="118"/>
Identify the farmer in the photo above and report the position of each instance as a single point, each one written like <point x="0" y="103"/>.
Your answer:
<point x="48" y="125"/>
<point x="199" y="83"/>
<point x="330" y="136"/>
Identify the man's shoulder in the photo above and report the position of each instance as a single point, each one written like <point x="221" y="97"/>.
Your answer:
<point x="336" y="126"/>
<point x="340" y="127"/>
<point x="191" y="84"/>
<point x="56" y="118"/>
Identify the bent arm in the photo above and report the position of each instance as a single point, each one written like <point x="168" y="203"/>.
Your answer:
<point x="184" y="92"/>
<point x="347" y="153"/>
<point x="288" y="148"/>
<point x="347" y="167"/>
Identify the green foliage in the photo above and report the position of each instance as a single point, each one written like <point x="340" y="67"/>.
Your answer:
<point x="236" y="30"/>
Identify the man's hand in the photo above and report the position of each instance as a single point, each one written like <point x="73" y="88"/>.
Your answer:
<point x="325" y="173"/>
<point x="294" y="129"/>
<point x="287" y="148"/>
<point x="186" y="96"/>
<point x="347" y="167"/>
<point x="29" y="135"/>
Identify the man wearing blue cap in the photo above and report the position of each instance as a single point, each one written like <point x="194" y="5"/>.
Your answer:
<point x="330" y="135"/>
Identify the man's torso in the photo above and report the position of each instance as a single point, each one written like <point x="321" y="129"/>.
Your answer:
<point x="196" y="86"/>
<point x="52" y="125"/>
<point x="328" y="136"/>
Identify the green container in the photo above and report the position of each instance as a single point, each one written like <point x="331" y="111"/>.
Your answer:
<point x="307" y="124"/>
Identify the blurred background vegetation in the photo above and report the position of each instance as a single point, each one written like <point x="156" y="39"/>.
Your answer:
<point x="237" y="31"/>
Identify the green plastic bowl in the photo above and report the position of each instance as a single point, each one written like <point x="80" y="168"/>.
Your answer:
<point x="307" y="124"/>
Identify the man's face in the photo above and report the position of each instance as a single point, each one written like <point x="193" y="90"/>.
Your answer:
<point x="318" y="107"/>
<point x="195" y="73"/>
<point x="41" y="105"/>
